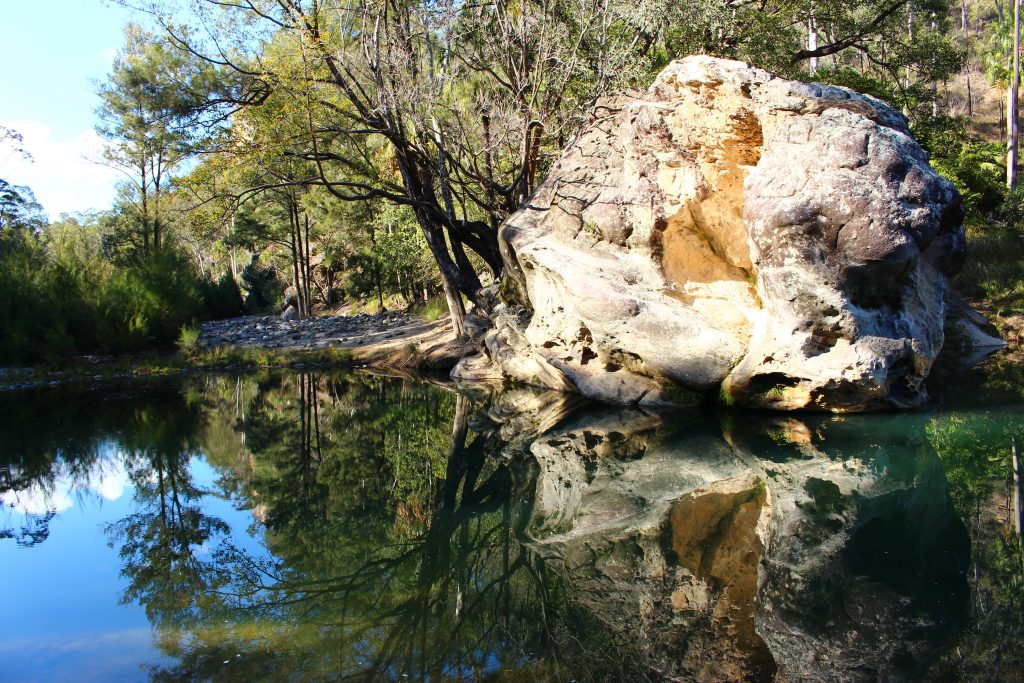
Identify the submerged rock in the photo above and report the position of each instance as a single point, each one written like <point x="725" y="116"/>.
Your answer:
<point x="785" y="242"/>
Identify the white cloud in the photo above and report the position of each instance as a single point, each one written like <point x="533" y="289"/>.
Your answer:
<point x="107" y="479"/>
<point x="59" y="174"/>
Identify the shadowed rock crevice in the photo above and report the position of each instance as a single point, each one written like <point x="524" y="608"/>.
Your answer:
<point x="725" y="226"/>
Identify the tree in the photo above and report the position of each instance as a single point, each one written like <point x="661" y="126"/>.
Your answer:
<point x="19" y="208"/>
<point x="1011" y="109"/>
<point x="18" y="205"/>
<point x="454" y="110"/>
<point x="150" y="95"/>
<point x="441" y="107"/>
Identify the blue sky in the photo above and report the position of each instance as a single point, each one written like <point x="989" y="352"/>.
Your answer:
<point x="51" y="53"/>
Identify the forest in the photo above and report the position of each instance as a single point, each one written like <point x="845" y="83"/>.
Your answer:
<point x="362" y="155"/>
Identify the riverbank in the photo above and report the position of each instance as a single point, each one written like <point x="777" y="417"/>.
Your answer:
<point x="391" y="340"/>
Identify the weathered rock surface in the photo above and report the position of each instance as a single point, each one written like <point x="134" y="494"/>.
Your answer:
<point x="787" y="242"/>
<point x="819" y="549"/>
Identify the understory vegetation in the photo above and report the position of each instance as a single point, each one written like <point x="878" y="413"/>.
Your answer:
<point x="362" y="155"/>
<point x="62" y="298"/>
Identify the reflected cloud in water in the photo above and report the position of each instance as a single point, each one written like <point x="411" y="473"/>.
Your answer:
<point x="105" y="479"/>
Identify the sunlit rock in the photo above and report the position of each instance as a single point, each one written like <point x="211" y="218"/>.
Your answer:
<point x="785" y="243"/>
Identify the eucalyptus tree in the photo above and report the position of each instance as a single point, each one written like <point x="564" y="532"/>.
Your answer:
<point x="18" y="205"/>
<point x="146" y="102"/>
<point x="19" y="208"/>
<point x="445" y="107"/>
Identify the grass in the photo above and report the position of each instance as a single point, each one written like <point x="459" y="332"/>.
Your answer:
<point x="435" y="309"/>
<point x="188" y="342"/>
<point x="994" y="271"/>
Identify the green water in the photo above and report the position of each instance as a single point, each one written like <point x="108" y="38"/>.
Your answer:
<point x="328" y="526"/>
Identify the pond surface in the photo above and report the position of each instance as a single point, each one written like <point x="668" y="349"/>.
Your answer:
<point x="312" y="526"/>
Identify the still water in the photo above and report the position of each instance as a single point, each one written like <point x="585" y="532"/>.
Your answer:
<point x="315" y="526"/>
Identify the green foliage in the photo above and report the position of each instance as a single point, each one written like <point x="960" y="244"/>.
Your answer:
<point x="863" y="82"/>
<point x="975" y="166"/>
<point x="146" y="106"/>
<point x="263" y="287"/>
<point x="435" y="309"/>
<point x="63" y="297"/>
<point x="188" y="341"/>
<point x="997" y="58"/>
<point x="223" y="298"/>
<point x="19" y="208"/>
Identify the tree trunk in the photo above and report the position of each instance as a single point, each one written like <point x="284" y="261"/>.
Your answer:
<point x="1018" y="494"/>
<point x="295" y="262"/>
<point x="309" y="267"/>
<point x="1011" y="108"/>
<point x="970" y="95"/>
<point x="455" y="307"/>
<point x="451" y="293"/>
<point x="1002" y="118"/>
<point x="910" y="41"/>
<point x="812" y="42"/>
<point x="935" y="83"/>
<point x="231" y="251"/>
<point x="492" y="200"/>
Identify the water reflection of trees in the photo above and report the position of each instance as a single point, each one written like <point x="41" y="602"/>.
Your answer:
<point x="78" y="438"/>
<point x="392" y="549"/>
<point x="391" y="532"/>
<point x="158" y="543"/>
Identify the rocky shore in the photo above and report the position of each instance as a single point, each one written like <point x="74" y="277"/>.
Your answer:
<point x="344" y="331"/>
<point x="391" y="339"/>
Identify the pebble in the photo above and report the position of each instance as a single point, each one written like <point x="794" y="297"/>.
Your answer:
<point x="261" y="331"/>
<point x="274" y="332"/>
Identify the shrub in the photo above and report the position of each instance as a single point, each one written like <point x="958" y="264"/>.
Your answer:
<point x="263" y="287"/>
<point x="60" y="299"/>
<point x="435" y="309"/>
<point x="976" y="167"/>
<point x="222" y="299"/>
<point x="188" y="342"/>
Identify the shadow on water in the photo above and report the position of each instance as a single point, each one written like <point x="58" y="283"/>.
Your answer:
<point x="406" y="532"/>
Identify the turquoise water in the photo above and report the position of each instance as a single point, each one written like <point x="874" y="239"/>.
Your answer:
<point x="312" y="526"/>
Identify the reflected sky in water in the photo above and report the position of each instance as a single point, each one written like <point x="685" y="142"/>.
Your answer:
<point x="323" y="525"/>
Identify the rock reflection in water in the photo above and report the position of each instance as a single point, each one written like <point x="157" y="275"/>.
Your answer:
<point x="815" y="548"/>
<point x="398" y="529"/>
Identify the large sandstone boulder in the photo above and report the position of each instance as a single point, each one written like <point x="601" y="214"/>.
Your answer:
<point x="784" y="243"/>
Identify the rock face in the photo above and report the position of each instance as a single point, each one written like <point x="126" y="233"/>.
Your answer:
<point x="815" y="549"/>
<point x="784" y="242"/>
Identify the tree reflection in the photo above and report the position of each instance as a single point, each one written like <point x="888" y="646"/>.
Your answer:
<point x="977" y="447"/>
<point x="402" y="530"/>
<point x="158" y="543"/>
<point x="392" y="549"/>
<point x="61" y="443"/>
